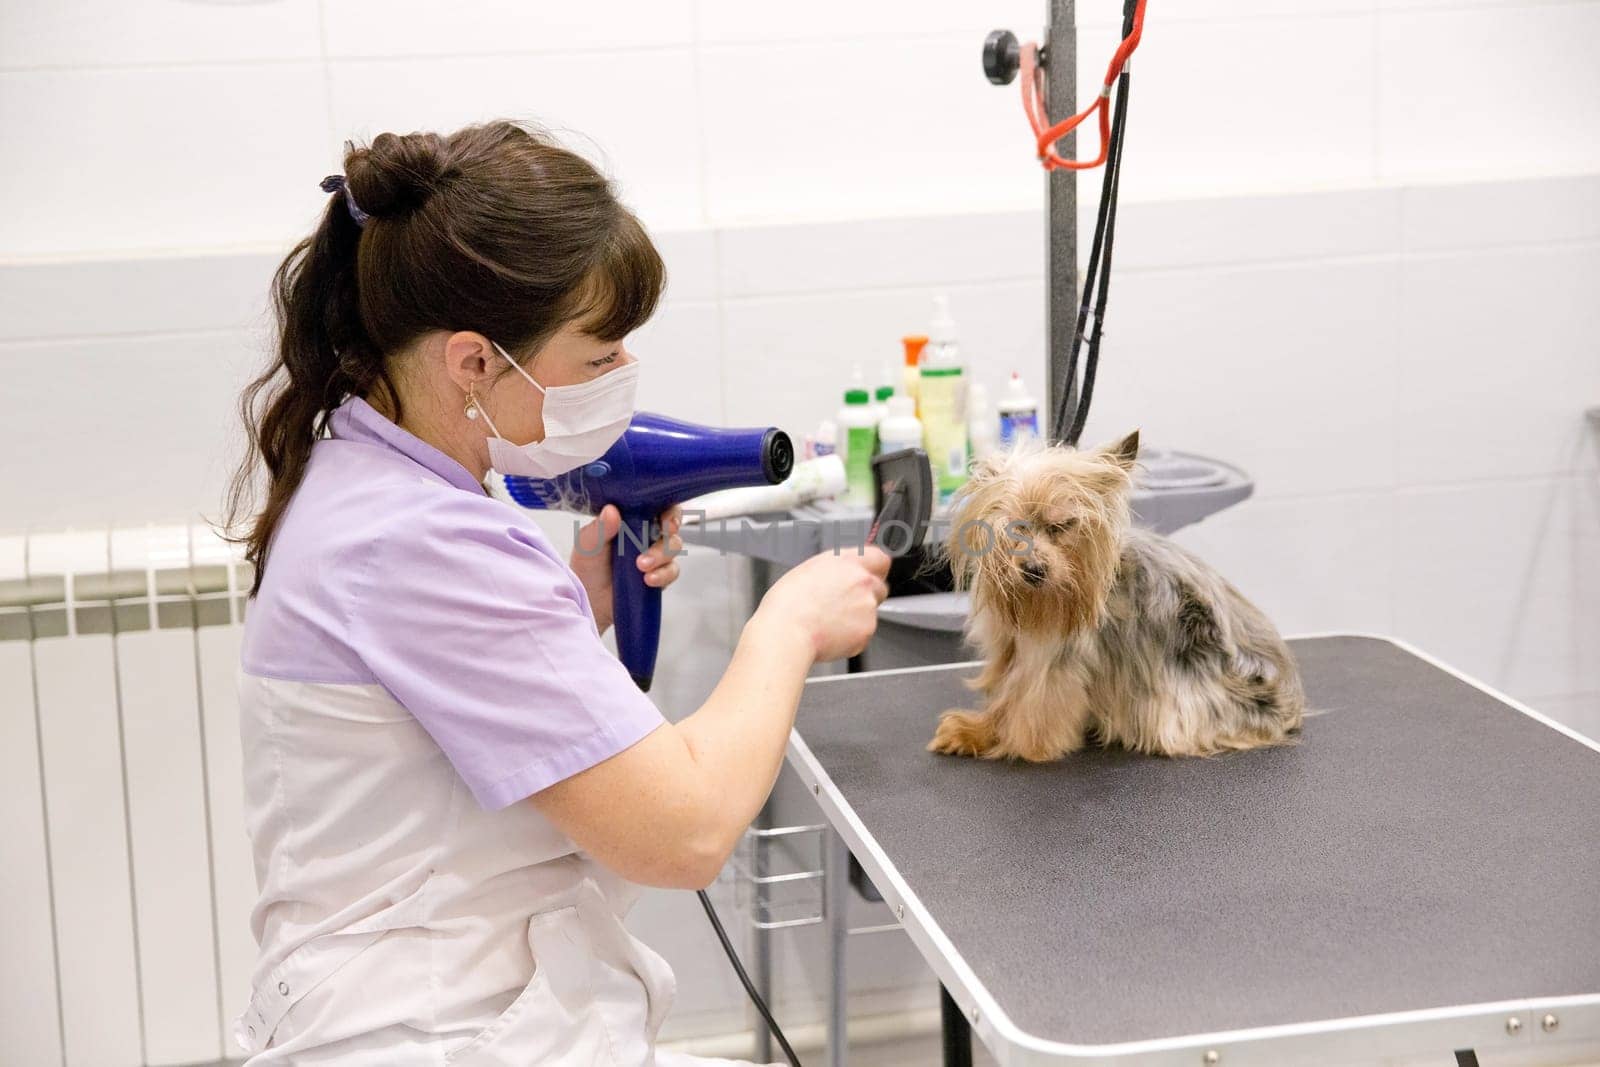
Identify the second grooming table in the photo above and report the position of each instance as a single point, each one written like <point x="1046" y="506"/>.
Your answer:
<point x="1419" y="875"/>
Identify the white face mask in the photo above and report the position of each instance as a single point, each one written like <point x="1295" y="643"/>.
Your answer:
<point x="580" y="423"/>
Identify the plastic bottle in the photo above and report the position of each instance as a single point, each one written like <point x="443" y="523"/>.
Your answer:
<point x="942" y="401"/>
<point x="858" y="433"/>
<point x="900" y="428"/>
<point x="1019" y="413"/>
<point x="823" y="442"/>
<point x="912" y="371"/>
<point x="982" y="428"/>
<point x="880" y="402"/>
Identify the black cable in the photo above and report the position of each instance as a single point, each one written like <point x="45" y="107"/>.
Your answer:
<point x="1060" y="425"/>
<point x="749" y="987"/>
<point x="1114" y="173"/>
<point x="1097" y="275"/>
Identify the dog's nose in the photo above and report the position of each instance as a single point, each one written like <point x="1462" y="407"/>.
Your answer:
<point x="1032" y="573"/>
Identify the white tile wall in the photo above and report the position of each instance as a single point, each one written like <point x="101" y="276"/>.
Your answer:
<point x="1502" y="580"/>
<point x="881" y="253"/>
<point x="1493" y="353"/>
<point x="1234" y="105"/>
<point x="383" y="28"/>
<point x="121" y="159"/>
<point x="1286" y="368"/>
<point x="736" y="21"/>
<point x="635" y="120"/>
<point x="1482" y="91"/>
<point x="894" y="126"/>
<point x="120" y="430"/>
<point x="680" y="356"/>
<point x="1483" y="214"/>
<point x="1250" y="229"/>
<point x="134" y="294"/>
<point x="84" y="33"/>
<point x="711" y="111"/>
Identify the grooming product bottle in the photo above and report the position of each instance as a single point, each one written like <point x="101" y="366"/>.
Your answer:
<point x="823" y="441"/>
<point x="912" y="371"/>
<point x="858" y="436"/>
<point x="880" y="406"/>
<point x="886" y="388"/>
<point x="942" y="401"/>
<point x="1019" y="413"/>
<point x="983" y="430"/>
<point x="900" y="428"/>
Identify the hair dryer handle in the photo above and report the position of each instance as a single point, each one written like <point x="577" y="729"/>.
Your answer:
<point x="636" y="607"/>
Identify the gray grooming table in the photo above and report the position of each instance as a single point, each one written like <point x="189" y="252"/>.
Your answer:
<point x="1419" y="875"/>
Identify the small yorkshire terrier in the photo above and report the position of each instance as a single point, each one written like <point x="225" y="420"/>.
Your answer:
<point x="1095" y="631"/>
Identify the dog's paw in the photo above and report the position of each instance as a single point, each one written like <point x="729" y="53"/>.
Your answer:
<point x="962" y="733"/>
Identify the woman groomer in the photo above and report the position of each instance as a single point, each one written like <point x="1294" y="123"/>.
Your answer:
<point x="451" y="786"/>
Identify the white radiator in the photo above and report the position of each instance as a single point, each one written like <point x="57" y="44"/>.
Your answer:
<point x="125" y="874"/>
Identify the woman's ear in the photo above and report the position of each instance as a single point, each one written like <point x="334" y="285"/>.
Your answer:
<point x="468" y="358"/>
<point x="1125" y="453"/>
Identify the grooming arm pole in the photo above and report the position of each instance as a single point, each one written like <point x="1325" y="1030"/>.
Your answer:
<point x="1061" y="207"/>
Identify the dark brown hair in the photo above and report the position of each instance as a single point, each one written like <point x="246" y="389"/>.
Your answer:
<point x="494" y="228"/>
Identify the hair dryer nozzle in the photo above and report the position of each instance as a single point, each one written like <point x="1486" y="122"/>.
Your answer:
<point x="777" y="456"/>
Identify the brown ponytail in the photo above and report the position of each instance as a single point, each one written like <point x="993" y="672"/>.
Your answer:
<point x="494" y="228"/>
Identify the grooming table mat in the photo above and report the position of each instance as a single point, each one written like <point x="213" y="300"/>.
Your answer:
<point x="1426" y="845"/>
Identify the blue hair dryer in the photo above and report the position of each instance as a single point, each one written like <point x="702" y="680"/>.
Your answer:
<point x="656" y="463"/>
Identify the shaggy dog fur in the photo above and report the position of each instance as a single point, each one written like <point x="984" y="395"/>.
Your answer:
<point x="1095" y="631"/>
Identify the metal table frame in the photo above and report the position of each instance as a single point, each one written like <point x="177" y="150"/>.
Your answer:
<point x="1467" y="1028"/>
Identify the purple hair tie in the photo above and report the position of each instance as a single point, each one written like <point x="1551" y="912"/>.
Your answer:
<point x="334" y="183"/>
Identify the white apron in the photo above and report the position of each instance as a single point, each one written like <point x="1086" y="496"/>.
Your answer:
<point x="400" y="923"/>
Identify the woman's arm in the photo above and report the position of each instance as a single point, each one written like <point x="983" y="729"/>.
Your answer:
<point x="669" y="810"/>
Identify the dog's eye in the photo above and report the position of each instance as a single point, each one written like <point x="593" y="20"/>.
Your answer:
<point x="1056" y="529"/>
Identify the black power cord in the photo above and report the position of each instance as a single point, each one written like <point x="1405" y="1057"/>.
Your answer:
<point x="1068" y="425"/>
<point x="749" y="986"/>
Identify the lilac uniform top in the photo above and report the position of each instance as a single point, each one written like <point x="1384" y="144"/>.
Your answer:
<point x="419" y="658"/>
<point x="393" y="567"/>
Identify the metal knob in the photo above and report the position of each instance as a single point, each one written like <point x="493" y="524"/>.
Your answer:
<point x="1549" y="1023"/>
<point x="1002" y="56"/>
<point x="1212" y="1056"/>
<point x="1513" y="1026"/>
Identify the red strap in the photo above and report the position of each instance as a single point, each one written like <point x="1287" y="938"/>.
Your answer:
<point x="1045" y="135"/>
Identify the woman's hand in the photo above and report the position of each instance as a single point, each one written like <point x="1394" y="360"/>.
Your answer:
<point x="833" y="600"/>
<point x="669" y="810"/>
<point x="593" y="551"/>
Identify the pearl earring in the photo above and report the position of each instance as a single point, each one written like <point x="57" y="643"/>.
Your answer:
<point x="472" y="408"/>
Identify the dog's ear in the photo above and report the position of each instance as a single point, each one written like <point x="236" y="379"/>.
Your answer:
<point x="1125" y="453"/>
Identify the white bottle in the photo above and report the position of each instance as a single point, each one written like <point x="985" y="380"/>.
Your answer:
<point x="858" y="438"/>
<point x="982" y="428"/>
<point x="1019" y="414"/>
<point x="881" y="395"/>
<point x="822" y="444"/>
<point x="900" y="428"/>
<point x="880" y="401"/>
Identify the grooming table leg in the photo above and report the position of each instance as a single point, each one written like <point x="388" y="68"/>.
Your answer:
<point x="761" y="947"/>
<point x="835" y="902"/>
<point x="957" y="1033"/>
